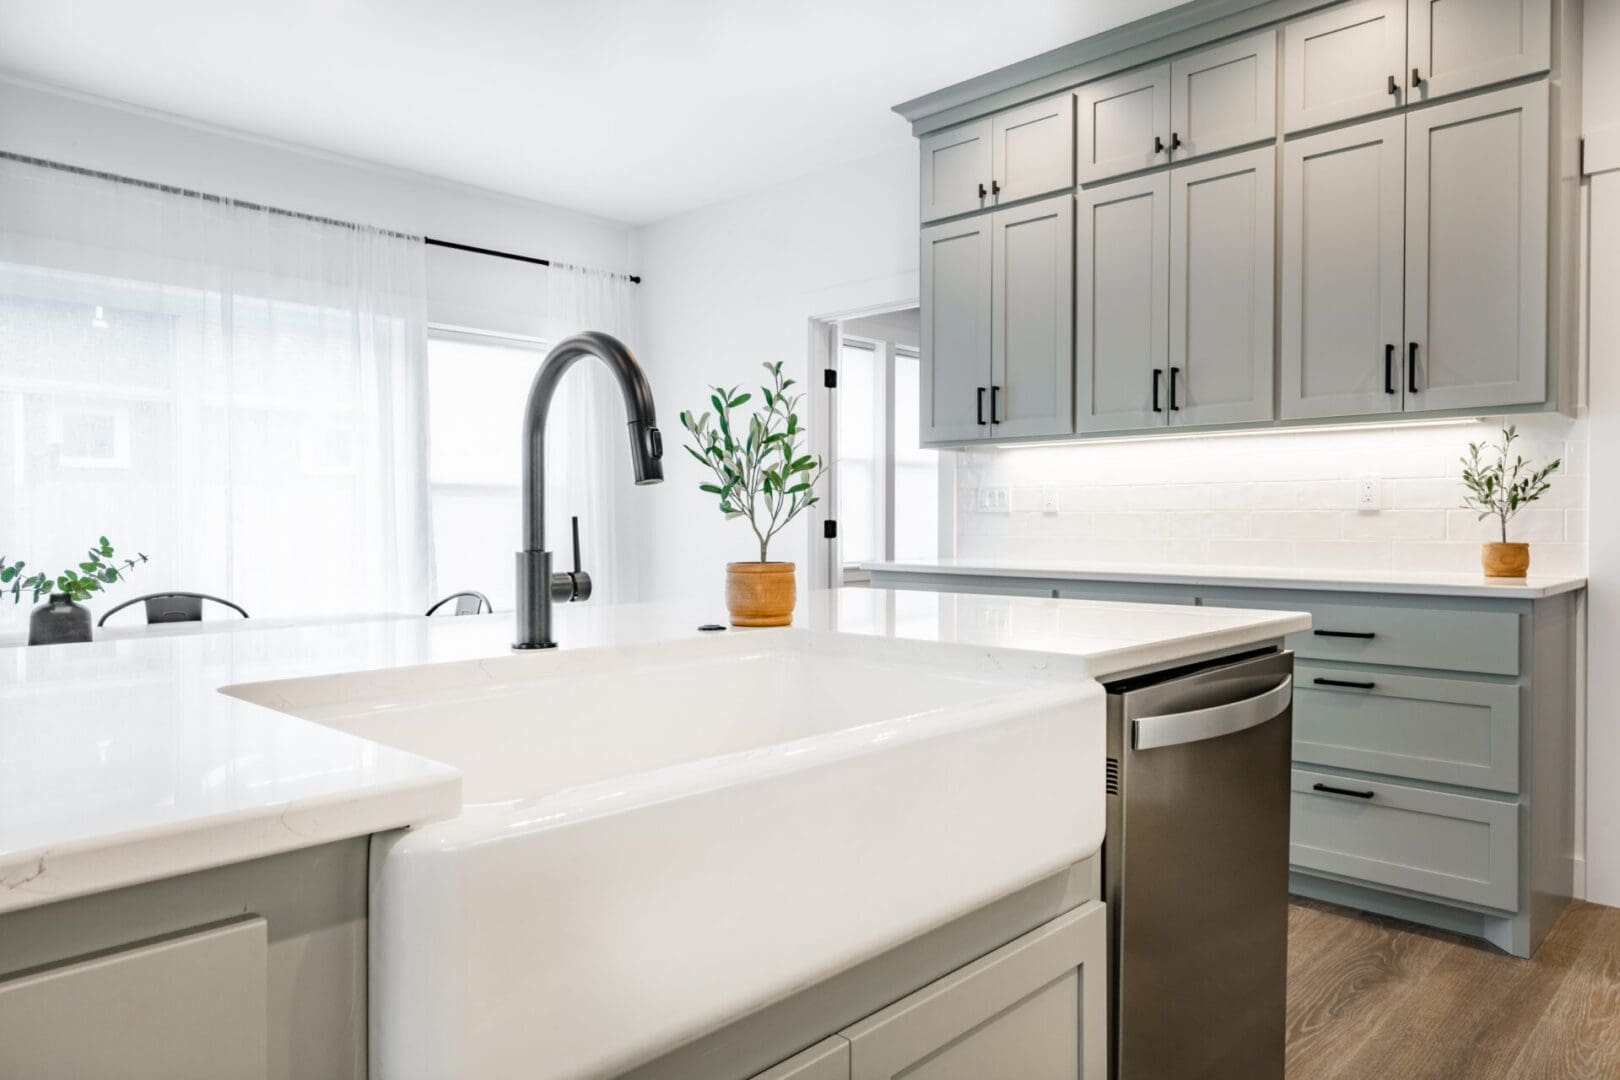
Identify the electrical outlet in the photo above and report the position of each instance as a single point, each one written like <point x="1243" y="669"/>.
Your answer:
<point x="1049" y="499"/>
<point x="995" y="499"/>
<point x="1369" y="493"/>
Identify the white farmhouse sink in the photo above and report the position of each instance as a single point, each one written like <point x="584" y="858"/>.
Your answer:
<point x="659" y="839"/>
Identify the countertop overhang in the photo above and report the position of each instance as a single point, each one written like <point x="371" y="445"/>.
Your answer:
<point x="121" y="762"/>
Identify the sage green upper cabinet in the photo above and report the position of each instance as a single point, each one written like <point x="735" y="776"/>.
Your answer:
<point x="956" y="170"/>
<point x="1122" y="303"/>
<point x="956" y="287"/>
<point x="1224" y="97"/>
<point x="1345" y="62"/>
<point x="1343" y="247"/>
<point x="1456" y="45"/>
<point x="1476" y="251"/>
<point x="1123" y="124"/>
<point x="1032" y="319"/>
<point x="1032" y="148"/>
<point x="1222" y="263"/>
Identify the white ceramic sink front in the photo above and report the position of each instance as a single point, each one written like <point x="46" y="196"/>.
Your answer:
<point x="659" y="839"/>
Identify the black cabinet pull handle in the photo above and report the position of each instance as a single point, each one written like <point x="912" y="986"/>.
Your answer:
<point x="1158" y="145"/>
<point x="1393" y="88"/>
<point x="981" y="191"/>
<point x="995" y="187"/>
<point x="1331" y="790"/>
<point x="1417" y="80"/>
<point x="1158" y="376"/>
<point x="1389" y="370"/>
<point x="995" y="395"/>
<point x="1175" y="141"/>
<point x="1411" y="367"/>
<point x="1173" y="373"/>
<point x="1365" y="635"/>
<point x="1319" y="681"/>
<point x="981" y="406"/>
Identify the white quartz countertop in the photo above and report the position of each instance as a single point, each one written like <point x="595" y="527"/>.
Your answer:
<point x="121" y="762"/>
<point x="1533" y="587"/>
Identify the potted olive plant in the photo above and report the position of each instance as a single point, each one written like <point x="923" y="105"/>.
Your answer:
<point x="1500" y="487"/>
<point x="761" y="475"/>
<point x="62" y="617"/>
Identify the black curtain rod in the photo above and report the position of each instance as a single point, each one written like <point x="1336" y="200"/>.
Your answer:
<point x="169" y="189"/>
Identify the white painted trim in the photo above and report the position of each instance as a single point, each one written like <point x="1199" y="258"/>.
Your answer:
<point x="1600" y="150"/>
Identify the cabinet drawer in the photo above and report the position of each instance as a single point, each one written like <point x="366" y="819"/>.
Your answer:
<point x="1450" y="731"/>
<point x="1457" y="847"/>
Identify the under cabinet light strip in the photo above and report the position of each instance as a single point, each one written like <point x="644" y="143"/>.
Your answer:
<point x="1293" y="429"/>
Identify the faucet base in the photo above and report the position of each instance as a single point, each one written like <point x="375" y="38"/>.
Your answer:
<point x="524" y="645"/>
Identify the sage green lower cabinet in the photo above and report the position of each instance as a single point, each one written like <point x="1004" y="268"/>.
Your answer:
<point x="827" y="1060"/>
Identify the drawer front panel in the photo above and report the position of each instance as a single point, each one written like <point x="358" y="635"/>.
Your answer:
<point x="1450" y="731"/>
<point x="1457" y="847"/>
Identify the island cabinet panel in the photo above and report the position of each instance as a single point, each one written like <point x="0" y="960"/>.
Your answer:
<point x="827" y="1060"/>
<point x="1222" y="225"/>
<point x="1344" y="62"/>
<point x="1122" y="298"/>
<point x="956" y="171"/>
<point x="1454" y="46"/>
<point x="1033" y="149"/>
<point x="1123" y="124"/>
<point x="1476" y="251"/>
<point x="1032" y="319"/>
<point x="956" y="289"/>
<point x="1224" y="97"/>
<point x="1343" y="254"/>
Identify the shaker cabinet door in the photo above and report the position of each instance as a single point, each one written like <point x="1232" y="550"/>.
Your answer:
<point x="1123" y="124"/>
<point x="1122" y="304"/>
<point x="956" y="279"/>
<point x="956" y="171"/>
<point x="1345" y="62"/>
<point x="1454" y="45"/>
<point x="1032" y="319"/>
<point x="1476" y="251"/>
<point x="1222" y="263"/>
<point x="1033" y="149"/>
<point x="1224" y="97"/>
<point x="1343" y="249"/>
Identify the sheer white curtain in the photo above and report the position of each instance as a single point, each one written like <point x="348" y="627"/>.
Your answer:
<point x="236" y="393"/>
<point x="587" y="445"/>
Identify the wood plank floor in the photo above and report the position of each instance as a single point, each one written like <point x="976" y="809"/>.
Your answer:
<point x="1372" y="998"/>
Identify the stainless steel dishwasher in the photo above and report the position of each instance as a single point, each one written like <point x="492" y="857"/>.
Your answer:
<point x="1195" y="870"/>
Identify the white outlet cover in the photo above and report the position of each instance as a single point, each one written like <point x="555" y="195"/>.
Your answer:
<point x="995" y="498"/>
<point x="1369" y="493"/>
<point x="1049" y="499"/>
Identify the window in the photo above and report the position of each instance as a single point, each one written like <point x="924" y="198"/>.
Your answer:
<point x="887" y="485"/>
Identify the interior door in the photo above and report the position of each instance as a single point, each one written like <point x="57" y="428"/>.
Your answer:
<point x="1222" y="283"/>
<point x="1123" y="123"/>
<point x="1343" y="252"/>
<point x="956" y="283"/>
<point x="1032" y="148"/>
<point x="1476" y="251"/>
<point x="1224" y="96"/>
<point x="1454" y="46"/>
<point x="1032" y="319"/>
<point x="955" y="170"/>
<point x="1122" y="304"/>
<point x="1345" y="62"/>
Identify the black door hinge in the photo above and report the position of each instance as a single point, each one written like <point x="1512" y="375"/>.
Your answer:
<point x="829" y="378"/>
<point x="829" y="529"/>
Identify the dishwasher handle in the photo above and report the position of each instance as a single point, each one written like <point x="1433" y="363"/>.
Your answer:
<point x="1173" y="729"/>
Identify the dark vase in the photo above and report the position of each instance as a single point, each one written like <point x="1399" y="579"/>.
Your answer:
<point x="59" y="621"/>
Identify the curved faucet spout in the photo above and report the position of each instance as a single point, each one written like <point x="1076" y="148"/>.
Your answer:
<point x="646" y="452"/>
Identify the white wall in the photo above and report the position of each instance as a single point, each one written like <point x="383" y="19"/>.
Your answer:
<point x="463" y="290"/>
<point x="733" y="286"/>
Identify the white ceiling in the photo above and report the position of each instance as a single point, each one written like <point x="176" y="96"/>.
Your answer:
<point x="630" y="109"/>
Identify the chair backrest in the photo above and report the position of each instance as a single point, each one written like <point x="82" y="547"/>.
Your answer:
<point x="169" y="607"/>
<point x="466" y="603"/>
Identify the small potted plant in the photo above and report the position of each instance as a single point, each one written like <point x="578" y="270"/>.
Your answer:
<point x="62" y="618"/>
<point x="761" y="475"/>
<point x="1500" y="488"/>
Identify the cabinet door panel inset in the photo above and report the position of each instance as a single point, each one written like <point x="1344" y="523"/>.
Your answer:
<point x="955" y="165"/>
<point x="1338" y="64"/>
<point x="1033" y="149"/>
<point x="1118" y="121"/>
<point x="1032" y="319"/>
<point x="1343" y="250"/>
<point x="1122" y="298"/>
<point x="1225" y="96"/>
<point x="1476" y="250"/>
<point x="955" y="278"/>
<point x="1221" y="289"/>
<point x="1455" y="45"/>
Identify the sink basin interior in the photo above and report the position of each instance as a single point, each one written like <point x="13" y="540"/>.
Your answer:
<point x="522" y="727"/>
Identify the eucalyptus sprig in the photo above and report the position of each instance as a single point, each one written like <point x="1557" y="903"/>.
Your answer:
<point x="99" y="568"/>
<point x="759" y="470"/>
<point x="1501" y="488"/>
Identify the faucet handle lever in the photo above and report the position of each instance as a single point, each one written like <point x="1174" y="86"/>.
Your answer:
<point x="576" y="544"/>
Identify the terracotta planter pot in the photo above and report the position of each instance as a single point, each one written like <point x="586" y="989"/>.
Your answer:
<point x="1505" y="560"/>
<point x="760" y="594"/>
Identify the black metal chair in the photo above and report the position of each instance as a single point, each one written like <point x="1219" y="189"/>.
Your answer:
<point x="467" y="603"/>
<point x="170" y="607"/>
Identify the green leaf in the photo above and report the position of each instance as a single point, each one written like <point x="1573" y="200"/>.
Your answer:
<point x="712" y="489"/>
<point x="740" y="399"/>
